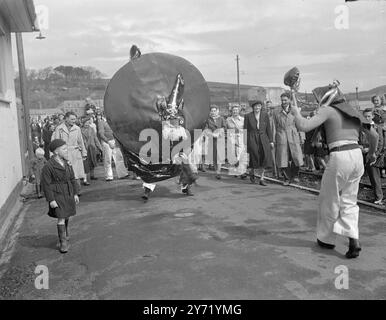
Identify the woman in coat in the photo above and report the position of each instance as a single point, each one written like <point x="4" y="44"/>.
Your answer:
<point x="259" y="140"/>
<point x="215" y="128"/>
<point x="236" y="153"/>
<point x="60" y="189"/>
<point x="92" y="146"/>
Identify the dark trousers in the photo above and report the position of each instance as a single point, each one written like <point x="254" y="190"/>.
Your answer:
<point x="46" y="151"/>
<point x="79" y="184"/>
<point x="187" y="177"/>
<point x="375" y="180"/>
<point x="292" y="171"/>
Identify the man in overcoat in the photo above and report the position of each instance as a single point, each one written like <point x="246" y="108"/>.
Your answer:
<point x="72" y="135"/>
<point x="289" y="156"/>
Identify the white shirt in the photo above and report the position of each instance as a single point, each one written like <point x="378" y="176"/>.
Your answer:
<point x="257" y="117"/>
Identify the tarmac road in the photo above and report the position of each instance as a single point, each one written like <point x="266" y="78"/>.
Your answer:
<point x="232" y="240"/>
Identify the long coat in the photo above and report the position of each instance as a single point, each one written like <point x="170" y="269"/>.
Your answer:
<point x="236" y="137"/>
<point x="58" y="183"/>
<point x="92" y="145"/>
<point x="37" y="165"/>
<point x="258" y="140"/>
<point x="287" y="140"/>
<point x="364" y="141"/>
<point x="36" y="131"/>
<point x="47" y="135"/>
<point x="218" y="143"/>
<point x="75" y="145"/>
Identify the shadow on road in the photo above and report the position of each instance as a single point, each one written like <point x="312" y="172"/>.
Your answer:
<point x="39" y="241"/>
<point x="126" y="194"/>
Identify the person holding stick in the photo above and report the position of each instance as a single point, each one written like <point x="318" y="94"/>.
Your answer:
<point x="338" y="211"/>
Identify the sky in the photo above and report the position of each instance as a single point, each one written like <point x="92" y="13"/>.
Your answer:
<point x="270" y="37"/>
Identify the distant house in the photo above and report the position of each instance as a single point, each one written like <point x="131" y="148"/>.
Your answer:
<point x="257" y="93"/>
<point x="243" y="107"/>
<point x="78" y="106"/>
<point x="224" y="94"/>
<point x="361" y="105"/>
<point x="15" y="16"/>
<point x="43" y="113"/>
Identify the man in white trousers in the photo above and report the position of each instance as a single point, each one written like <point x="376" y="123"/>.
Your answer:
<point x="338" y="211"/>
<point x="111" y="151"/>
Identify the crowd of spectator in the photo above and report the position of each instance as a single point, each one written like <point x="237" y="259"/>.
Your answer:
<point x="273" y="142"/>
<point x="89" y="139"/>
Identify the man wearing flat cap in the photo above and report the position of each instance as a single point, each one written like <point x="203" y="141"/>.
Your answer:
<point x="289" y="156"/>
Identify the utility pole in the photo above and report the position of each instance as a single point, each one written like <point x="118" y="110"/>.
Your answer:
<point x="238" y="80"/>
<point x="24" y="94"/>
<point x="356" y="91"/>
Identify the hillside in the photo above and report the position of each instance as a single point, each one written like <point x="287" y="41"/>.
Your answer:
<point x="366" y="95"/>
<point x="49" y="87"/>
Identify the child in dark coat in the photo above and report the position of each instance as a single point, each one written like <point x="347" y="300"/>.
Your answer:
<point x="37" y="164"/>
<point x="60" y="189"/>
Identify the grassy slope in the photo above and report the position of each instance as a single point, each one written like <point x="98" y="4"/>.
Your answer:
<point x="49" y="94"/>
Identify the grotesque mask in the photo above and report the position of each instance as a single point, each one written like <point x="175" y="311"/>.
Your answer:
<point x="329" y="95"/>
<point x="170" y="110"/>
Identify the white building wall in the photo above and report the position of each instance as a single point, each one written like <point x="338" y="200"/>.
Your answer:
<point x="10" y="158"/>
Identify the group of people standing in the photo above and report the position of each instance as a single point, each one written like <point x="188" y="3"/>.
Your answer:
<point x="73" y="148"/>
<point x="86" y="142"/>
<point x="377" y="117"/>
<point x="347" y="143"/>
<point x="89" y="139"/>
<point x="272" y="139"/>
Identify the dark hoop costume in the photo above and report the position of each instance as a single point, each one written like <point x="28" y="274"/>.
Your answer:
<point x="132" y="104"/>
